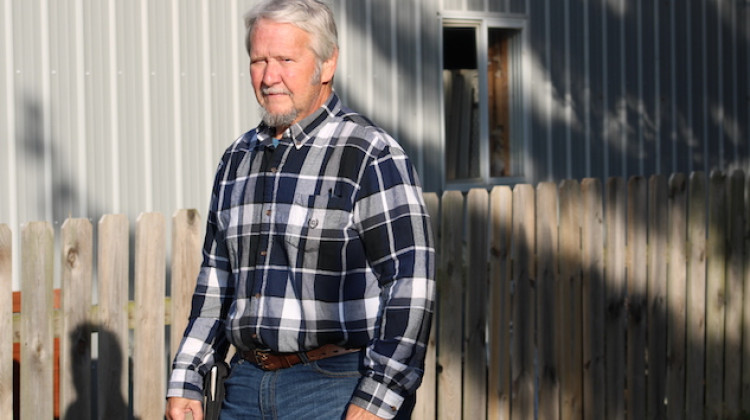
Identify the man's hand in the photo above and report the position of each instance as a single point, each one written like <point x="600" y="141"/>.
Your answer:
<point x="356" y="412"/>
<point x="177" y="407"/>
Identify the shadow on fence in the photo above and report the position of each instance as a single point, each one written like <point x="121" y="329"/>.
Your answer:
<point x="569" y="301"/>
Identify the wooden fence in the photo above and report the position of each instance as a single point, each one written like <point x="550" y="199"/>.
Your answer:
<point x="570" y="301"/>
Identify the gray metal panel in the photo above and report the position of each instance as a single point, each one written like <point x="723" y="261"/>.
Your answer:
<point x="648" y="74"/>
<point x="579" y="106"/>
<point x="8" y="193"/>
<point x="539" y="154"/>
<point x="431" y="144"/>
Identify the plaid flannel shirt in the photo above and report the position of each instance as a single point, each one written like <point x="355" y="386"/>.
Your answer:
<point x="322" y="239"/>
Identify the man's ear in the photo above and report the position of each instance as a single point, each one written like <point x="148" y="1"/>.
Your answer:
<point x="328" y="69"/>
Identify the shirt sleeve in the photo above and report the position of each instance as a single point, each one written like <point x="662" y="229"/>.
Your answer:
<point x="395" y="228"/>
<point x="204" y="340"/>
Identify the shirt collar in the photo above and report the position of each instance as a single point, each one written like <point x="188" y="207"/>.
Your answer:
<point x="304" y="130"/>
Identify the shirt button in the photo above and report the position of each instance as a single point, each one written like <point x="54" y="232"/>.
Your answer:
<point x="257" y="295"/>
<point x="263" y="253"/>
<point x="268" y="212"/>
<point x="273" y="170"/>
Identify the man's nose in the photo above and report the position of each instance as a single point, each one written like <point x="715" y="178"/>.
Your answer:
<point x="271" y="74"/>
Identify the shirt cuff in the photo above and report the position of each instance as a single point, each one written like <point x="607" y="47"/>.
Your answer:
<point x="185" y="383"/>
<point x="377" y="398"/>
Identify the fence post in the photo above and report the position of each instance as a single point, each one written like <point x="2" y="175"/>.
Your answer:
<point x="636" y="310"/>
<point x="593" y="292"/>
<point x="37" y="344"/>
<point x="75" y="340"/>
<point x="615" y="294"/>
<point x="450" y="293"/>
<point x="6" y="323"/>
<point x="475" y="322"/>
<point x="735" y="299"/>
<point x="524" y="302"/>
<point x="677" y="297"/>
<point x="186" y="261"/>
<point x="549" y="322"/>
<point x="716" y="290"/>
<point x="113" y="280"/>
<point x="658" y="259"/>
<point x="427" y="393"/>
<point x="696" y="298"/>
<point x="148" y="341"/>
<point x="570" y="303"/>
<point x="498" y="387"/>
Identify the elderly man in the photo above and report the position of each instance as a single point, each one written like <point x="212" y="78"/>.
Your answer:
<point x="318" y="259"/>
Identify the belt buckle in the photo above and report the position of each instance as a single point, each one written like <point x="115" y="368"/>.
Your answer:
<point x="261" y="357"/>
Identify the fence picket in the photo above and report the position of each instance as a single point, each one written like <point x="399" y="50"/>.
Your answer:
<point x="637" y="292"/>
<point x="735" y="296"/>
<point x="570" y="304"/>
<point x="75" y="341"/>
<point x="547" y="310"/>
<point x="475" y="321"/>
<point x="498" y="387"/>
<point x="6" y="323"/>
<point x="149" y="340"/>
<point x="696" y="297"/>
<point x="524" y="206"/>
<point x="716" y="295"/>
<point x="616" y="290"/>
<point x="677" y="297"/>
<point x="657" y="297"/>
<point x="37" y="345"/>
<point x="450" y="299"/>
<point x="112" y="268"/>
<point x="427" y="393"/>
<point x="186" y="260"/>
<point x="593" y="292"/>
<point x="745" y="354"/>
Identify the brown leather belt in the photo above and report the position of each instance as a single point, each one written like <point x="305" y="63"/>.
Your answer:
<point x="269" y="360"/>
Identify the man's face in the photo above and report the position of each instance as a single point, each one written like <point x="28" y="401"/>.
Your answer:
<point x="283" y="70"/>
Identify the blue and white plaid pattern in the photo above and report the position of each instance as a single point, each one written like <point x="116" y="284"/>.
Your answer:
<point x="322" y="239"/>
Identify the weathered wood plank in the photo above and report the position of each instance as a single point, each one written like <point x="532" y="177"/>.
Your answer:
<point x="75" y="338"/>
<point x="658" y="257"/>
<point x="475" y="319"/>
<point x="677" y="297"/>
<point x="524" y="209"/>
<point x="148" y="339"/>
<point x="637" y="286"/>
<point x="593" y="290"/>
<point x="37" y="345"/>
<point x="6" y="323"/>
<point x="186" y="261"/>
<point x="498" y="387"/>
<point x="745" y="384"/>
<point x="716" y="295"/>
<point x="549" y="323"/>
<point x="427" y="393"/>
<point x="450" y="304"/>
<point x="615" y="322"/>
<point x="113" y="258"/>
<point x="736" y="295"/>
<point x="696" y="298"/>
<point x="570" y="303"/>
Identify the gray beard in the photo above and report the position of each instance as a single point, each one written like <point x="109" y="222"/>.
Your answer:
<point x="279" y="120"/>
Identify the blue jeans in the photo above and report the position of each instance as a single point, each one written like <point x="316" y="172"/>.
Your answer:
<point x="318" y="390"/>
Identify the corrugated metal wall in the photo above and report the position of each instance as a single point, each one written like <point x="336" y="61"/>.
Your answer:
<point x="125" y="105"/>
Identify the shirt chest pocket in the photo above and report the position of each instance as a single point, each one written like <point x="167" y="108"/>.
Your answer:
<point x="316" y="220"/>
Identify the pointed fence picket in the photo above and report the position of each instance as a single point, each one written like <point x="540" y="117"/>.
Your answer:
<point x="622" y="299"/>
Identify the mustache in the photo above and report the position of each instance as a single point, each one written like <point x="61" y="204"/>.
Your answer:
<point x="274" y="91"/>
